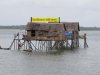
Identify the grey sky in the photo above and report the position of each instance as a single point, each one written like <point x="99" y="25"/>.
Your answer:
<point x="16" y="12"/>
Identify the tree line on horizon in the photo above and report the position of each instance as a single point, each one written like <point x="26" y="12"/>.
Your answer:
<point x="24" y="26"/>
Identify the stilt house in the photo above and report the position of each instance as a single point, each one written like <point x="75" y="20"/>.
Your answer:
<point x="51" y="31"/>
<point x="45" y="31"/>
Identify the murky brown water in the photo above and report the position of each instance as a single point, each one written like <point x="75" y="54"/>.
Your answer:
<point x="70" y="62"/>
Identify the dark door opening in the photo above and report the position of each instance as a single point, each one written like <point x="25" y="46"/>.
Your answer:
<point x="33" y="33"/>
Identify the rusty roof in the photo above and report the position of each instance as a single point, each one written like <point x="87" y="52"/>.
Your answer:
<point x="36" y="26"/>
<point x="71" y="26"/>
<point x="63" y="26"/>
<point x="45" y="26"/>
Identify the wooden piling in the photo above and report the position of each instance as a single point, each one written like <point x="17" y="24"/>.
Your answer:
<point x="85" y="41"/>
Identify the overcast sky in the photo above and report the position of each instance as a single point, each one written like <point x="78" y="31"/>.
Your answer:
<point x="18" y="12"/>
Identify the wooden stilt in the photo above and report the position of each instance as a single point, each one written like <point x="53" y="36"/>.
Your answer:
<point x="85" y="42"/>
<point x="45" y="45"/>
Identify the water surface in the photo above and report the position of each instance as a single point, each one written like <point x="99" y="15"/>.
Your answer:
<point x="70" y="62"/>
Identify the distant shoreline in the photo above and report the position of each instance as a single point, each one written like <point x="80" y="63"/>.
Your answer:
<point x="90" y="28"/>
<point x="13" y="27"/>
<point x="24" y="26"/>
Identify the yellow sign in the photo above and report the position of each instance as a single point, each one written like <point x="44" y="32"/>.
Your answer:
<point x="45" y="19"/>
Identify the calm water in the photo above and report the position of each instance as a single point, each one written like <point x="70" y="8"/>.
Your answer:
<point x="70" y="62"/>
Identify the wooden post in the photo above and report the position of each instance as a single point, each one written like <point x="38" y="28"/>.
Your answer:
<point x="85" y="42"/>
<point x="67" y="43"/>
<point x="59" y="19"/>
<point x="31" y="19"/>
<point x="78" y="40"/>
<point x="14" y="45"/>
<point x="18" y="43"/>
<point x="24" y="44"/>
<point x="72" y="43"/>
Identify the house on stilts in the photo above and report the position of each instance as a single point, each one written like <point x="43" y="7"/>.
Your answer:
<point x="49" y="36"/>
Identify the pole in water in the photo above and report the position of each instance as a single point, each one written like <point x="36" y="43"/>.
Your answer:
<point x="85" y="42"/>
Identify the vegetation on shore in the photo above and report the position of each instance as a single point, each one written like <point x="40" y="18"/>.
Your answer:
<point x="13" y="27"/>
<point x="23" y="27"/>
<point x="90" y="28"/>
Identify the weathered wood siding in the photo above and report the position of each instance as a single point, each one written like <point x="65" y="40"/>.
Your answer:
<point x="51" y="31"/>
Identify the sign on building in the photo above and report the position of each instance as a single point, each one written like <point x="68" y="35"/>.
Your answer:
<point x="46" y="20"/>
